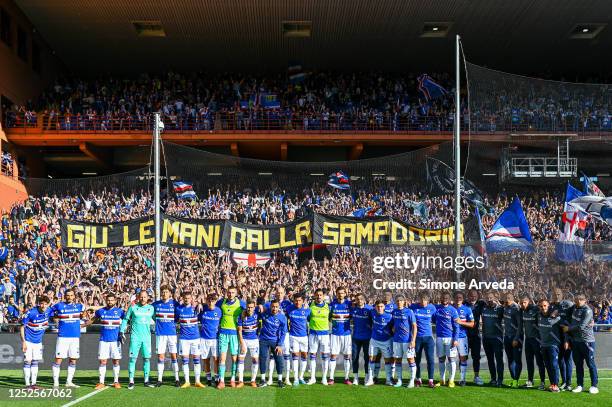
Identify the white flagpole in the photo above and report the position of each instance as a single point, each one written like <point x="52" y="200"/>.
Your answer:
<point x="156" y="131"/>
<point x="456" y="139"/>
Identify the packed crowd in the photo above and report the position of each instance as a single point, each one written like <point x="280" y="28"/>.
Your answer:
<point x="322" y="101"/>
<point x="34" y="263"/>
<point x="201" y="101"/>
<point x="538" y="104"/>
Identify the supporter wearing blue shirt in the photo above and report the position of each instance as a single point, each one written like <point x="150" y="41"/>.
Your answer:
<point x="380" y="343"/>
<point x="34" y="324"/>
<point x="165" y="333"/>
<point x="447" y="326"/>
<point x="404" y="339"/>
<point x="424" y="312"/>
<point x="110" y="318"/>
<point x="362" y="332"/>
<point x="12" y="310"/>
<point x="271" y="339"/>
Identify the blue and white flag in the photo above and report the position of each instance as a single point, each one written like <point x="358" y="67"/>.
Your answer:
<point x="569" y="247"/>
<point x="589" y="187"/>
<point x="599" y="208"/>
<point x="429" y="88"/>
<point x="360" y="213"/>
<point x="184" y="190"/>
<point x="510" y="231"/>
<point x="295" y="73"/>
<point x="3" y="253"/>
<point x="420" y="208"/>
<point x="339" y="180"/>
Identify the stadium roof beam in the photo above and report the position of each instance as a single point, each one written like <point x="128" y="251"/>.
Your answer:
<point x="101" y="155"/>
<point x="356" y="151"/>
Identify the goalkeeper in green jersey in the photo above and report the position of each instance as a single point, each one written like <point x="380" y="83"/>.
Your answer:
<point x="140" y="318"/>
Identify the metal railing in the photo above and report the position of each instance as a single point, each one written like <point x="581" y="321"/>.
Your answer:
<point x="279" y="121"/>
<point x="541" y="167"/>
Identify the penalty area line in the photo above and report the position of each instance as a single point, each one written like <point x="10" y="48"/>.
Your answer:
<point x="88" y="395"/>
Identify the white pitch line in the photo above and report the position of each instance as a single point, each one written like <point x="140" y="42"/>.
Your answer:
<point x="88" y="395"/>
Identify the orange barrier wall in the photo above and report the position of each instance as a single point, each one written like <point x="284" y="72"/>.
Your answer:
<point x="11" y="191"/>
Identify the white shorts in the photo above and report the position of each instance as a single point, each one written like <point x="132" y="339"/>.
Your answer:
<point x="189" y="347"/>
<point x="286" y="346"/>
<point x="298" y="344"/>
<point x="318" y="343"/>
<point x="385" y="348"/>
<point x="67" y="348"/>
<point x="444" y="347"/>
<point x="252" y="347"/>
<point x="109" y="350"/>
<point x="341" y="344"/>
<point x="34" y="351"/>
<point x="402" y="348"/>
<point x="463" y="347"/>
<point x="208" y="348"/>
<point x="165" y="343"/>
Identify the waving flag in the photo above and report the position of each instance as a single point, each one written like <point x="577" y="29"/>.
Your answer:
<point x="250" y="259"/>
<point x="339" y="180"/>
<point x="317" y="252"/>
<point x="441" y="181"/>
<point x="3" y="253"/>
<point x="596" y="206"/>
<point x="184" y="190"/>
<point x="590" y="188"/>
<point x="360" y="213"/>
<point x="569" y="247"/>
<point x="510" y="231"/>
<point x="476" y="237"/>
<point x="420" y="208"/>
<point x="296" y="73"/>
<point x="430" y="89"/>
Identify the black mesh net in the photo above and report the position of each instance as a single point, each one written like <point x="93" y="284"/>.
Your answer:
<point x="502" y="101"/>
<point x="126" y="183"/>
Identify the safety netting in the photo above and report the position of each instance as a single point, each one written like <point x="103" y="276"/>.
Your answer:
<point x="501" y="101"/>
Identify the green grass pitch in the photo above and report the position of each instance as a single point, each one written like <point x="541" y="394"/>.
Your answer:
<point x="338" y="395"/>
